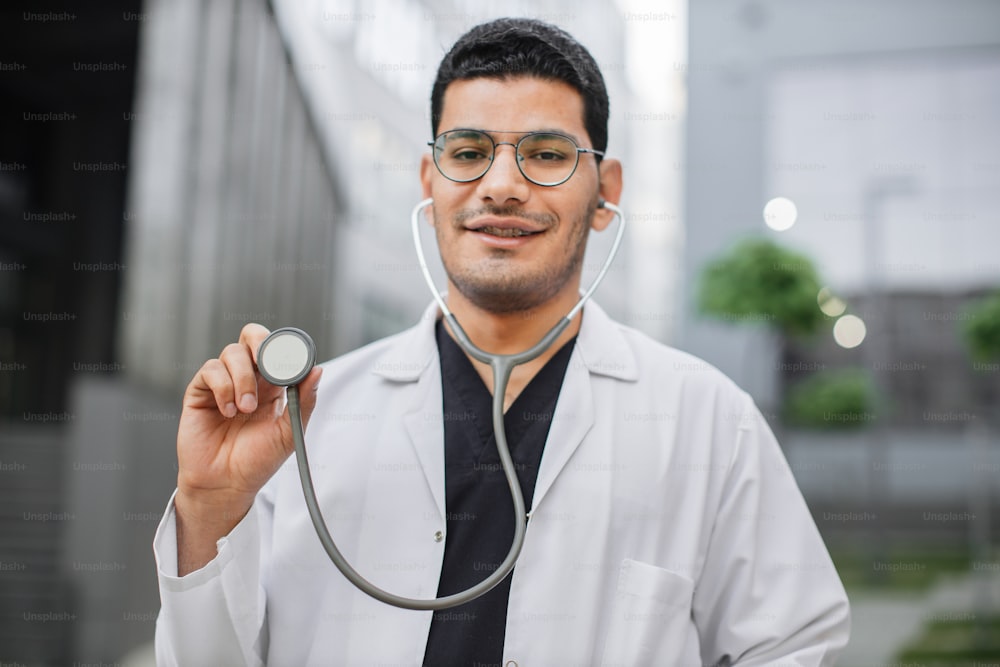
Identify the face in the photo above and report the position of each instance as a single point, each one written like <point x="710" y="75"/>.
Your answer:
<point x="507" y="244"/>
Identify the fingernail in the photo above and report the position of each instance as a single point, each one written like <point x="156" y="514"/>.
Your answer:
<point x="248" y="402"/>
<point x="229" y="411"/>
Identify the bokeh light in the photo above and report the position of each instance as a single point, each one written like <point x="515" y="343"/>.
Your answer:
<point x="849" y="331"/>
<point x="780" y="213"/>
<point x="831" y="304"/>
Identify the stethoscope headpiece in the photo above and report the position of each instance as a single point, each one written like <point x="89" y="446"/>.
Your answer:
<point x="286" y="356"/>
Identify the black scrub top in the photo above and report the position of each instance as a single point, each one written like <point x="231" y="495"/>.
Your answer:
<point x="480" y="521"/>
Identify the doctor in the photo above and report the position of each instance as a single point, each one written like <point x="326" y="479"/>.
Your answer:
<point x="665" y="527"/>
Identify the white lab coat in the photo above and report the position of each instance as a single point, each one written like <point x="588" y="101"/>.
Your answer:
<point x="666" y="527"/>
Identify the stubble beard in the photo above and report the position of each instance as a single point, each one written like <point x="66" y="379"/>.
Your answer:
<point x="498" y="289"/>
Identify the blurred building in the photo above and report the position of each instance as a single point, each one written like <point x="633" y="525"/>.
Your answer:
<point x="66" y="82"/>
<point x="270" y="157"/>
<point x="878" y="119"/>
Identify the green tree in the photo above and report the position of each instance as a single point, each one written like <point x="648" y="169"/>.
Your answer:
<point x="829" y="400"/>
<point x="982" y="328"/>
<point x="760" y="280"/>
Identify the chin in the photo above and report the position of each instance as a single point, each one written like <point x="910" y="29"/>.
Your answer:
<point x="504" y="299"/>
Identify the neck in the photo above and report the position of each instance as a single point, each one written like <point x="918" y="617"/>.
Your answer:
<point x="510" y="333"/>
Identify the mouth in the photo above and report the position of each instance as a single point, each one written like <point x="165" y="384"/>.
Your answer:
<point x="504" y="232"/>
<point x="505" y="228"/>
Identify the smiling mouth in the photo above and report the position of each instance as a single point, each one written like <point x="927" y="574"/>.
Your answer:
<point x="505" y="232"/>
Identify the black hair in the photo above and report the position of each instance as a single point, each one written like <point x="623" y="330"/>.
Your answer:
<point x="512" y="47"/>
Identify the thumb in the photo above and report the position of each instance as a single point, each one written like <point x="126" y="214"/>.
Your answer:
<point x="308" y="390"/>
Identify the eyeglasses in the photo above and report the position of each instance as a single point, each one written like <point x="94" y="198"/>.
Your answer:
<point x="544" y="158"/>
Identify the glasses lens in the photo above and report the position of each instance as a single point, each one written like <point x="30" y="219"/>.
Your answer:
<point x="463" y="155"/>
<point x="547" y="159"/>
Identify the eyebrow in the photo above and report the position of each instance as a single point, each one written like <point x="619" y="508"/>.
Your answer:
<point x="542" y="130"/>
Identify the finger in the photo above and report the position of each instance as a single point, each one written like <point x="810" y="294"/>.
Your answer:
<point x="308" y="391"/>
<point x="236" y="358"/>
<point x="212" y="379"/>
<point x="252" y="335"/>
<point x="267" y="392"/>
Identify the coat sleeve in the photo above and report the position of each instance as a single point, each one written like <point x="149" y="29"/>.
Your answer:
<point x="768" y="593"/>
<point x="215" y="615"/>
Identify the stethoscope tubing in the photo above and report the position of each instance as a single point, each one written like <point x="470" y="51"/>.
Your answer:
<point x="502" y="366"/>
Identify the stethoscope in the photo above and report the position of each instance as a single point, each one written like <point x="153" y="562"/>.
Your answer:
<point x="288" y="354"/>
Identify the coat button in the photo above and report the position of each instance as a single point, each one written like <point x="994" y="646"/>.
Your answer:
<point x="438" y="536"/>
<point x="510" y="663"/>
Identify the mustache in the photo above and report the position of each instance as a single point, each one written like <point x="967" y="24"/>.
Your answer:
<point x="546" y="219"/>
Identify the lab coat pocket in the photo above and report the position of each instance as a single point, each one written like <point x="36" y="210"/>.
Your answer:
<point x="650" y="617"/>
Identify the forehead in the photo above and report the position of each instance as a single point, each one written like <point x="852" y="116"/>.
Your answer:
<point x="518" y="104"/>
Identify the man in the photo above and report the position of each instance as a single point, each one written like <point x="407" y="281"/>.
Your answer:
<point x="665" y="526"/>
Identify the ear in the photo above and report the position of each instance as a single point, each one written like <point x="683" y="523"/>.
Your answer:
<point x="427" y="170"/>
<point x="610" y="190"/>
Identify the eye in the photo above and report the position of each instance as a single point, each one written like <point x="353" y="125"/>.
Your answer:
<point x="465" y="146"/>
<point x="466" y="154"/>
<point x="547" y="148"/>
<point x="547" y="156"/>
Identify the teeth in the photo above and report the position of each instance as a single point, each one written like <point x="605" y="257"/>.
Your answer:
<point x="504" y="232"/>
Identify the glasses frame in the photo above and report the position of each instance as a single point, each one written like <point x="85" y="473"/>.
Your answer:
<point x="517" y="154"/>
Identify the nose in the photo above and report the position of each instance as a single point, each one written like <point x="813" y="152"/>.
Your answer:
<point x="503" y="181"/>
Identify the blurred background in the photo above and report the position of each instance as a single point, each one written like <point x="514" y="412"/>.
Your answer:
<point x="813" y="192"/>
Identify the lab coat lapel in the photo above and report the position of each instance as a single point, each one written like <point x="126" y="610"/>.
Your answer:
<point x="572" y="419"/>
<point x="413" y="358"/>
<point x="600" y="350"/>
<point x="426" y="431"/>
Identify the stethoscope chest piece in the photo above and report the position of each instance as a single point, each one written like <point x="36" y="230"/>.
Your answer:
<point x="286" y="356"/>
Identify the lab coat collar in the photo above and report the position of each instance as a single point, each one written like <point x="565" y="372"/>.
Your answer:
<point x="601" y="349"/>
<point x="601" y="345"/>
